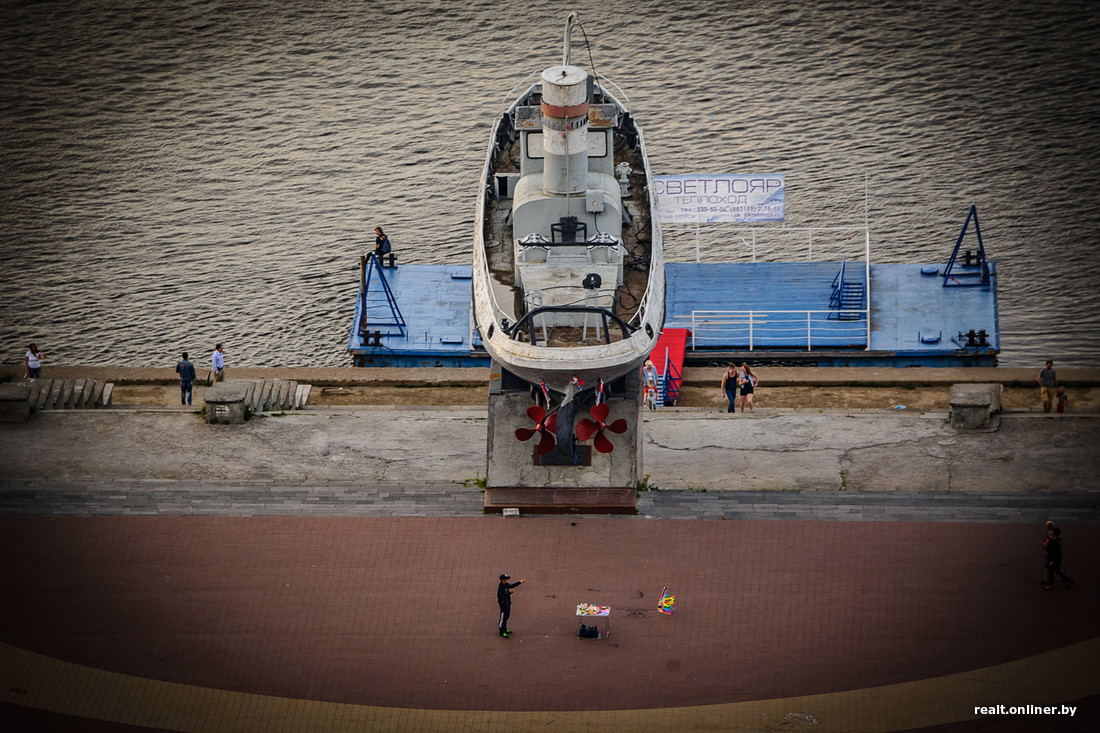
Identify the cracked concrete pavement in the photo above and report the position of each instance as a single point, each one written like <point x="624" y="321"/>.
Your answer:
<point x="851" y="450"/>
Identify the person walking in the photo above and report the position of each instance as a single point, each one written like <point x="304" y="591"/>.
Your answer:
<point x="217" y="361"/>
<point x="504" y="600"/>
<point x="729" y="388"/>
<point x="1053" y="548"/>
<point x="186" y="370"/>
<point x="1048" y="384"/>
<point x="748" y="386"/>
<point x="651" y="395"/>
<point x="33" y="362"/>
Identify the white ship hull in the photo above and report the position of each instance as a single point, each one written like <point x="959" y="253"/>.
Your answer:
<point x="535" y="316"/>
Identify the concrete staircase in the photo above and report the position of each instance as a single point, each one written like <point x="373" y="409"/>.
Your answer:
<point x="268" y="395"/>
<point x="69" y="394"/>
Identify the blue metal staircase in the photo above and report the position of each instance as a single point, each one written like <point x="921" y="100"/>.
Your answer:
<point x="380" y="314"/>
<point x="847" y="299"/>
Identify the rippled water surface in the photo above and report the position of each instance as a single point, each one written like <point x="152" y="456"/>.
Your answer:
<point x="179" y="173"/>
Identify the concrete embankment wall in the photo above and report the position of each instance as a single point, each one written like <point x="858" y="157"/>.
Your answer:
<point x="449" y="376"/>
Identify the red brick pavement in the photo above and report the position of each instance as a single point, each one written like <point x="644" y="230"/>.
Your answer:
<point x="401" y="611"/>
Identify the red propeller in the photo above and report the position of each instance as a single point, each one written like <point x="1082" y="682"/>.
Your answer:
<point x="587" y="428"/>
<point x="545" y="425"/>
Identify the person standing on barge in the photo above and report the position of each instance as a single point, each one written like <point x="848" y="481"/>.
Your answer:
<point x="381" y="244"/>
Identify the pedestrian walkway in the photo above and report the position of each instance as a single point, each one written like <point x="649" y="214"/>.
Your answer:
<point x="291" y="623"/>
<point x="162" y="497"/>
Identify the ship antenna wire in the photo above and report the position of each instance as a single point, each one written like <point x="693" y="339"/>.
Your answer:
<point x="588" y="46"/>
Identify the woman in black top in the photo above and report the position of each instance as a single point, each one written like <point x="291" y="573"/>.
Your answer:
<point x="381" y="243"/>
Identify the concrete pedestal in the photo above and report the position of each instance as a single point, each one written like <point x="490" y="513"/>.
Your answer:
<point x="15" y="405"/>
<point x="974" y="406"/>
<point x="225" y="402"/>
<point x="516" y="476"/>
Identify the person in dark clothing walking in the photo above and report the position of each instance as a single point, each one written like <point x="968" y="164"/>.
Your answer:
<point x="1053" y="546"/>
<point x="186" y="370"/>
<point x="504" y="600"/>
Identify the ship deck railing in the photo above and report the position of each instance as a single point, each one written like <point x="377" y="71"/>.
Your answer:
<point x="755" y="329"/>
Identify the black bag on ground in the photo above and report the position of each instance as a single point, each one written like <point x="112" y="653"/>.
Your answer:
<point x="588" y="632"/>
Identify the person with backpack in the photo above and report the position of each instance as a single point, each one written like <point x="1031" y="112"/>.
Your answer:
<point x="381" y="243"/>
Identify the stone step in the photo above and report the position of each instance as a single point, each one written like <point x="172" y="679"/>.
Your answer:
<point x="105" y="398"/>
<point x="561" y="500"/>
<point x="35" y="390"/>
<point x="257" y="401"/>
<point x="301" y="396"/>
<point x="265" y="401"/>
<point x="249" y="392"/>
<point x="68" y="394"/>
<point x="54" y="395"/>
<point x="76" y="399"/>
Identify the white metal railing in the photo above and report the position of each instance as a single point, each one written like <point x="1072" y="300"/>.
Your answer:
<point x="700" y="228"/>
<point x="774" y="328"/>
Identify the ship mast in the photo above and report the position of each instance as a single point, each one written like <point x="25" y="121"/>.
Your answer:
<point x="573" y="18"/>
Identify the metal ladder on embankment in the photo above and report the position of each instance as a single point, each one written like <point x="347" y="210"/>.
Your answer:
<point x="266" y="395"/>
<point x="69" y="394"/>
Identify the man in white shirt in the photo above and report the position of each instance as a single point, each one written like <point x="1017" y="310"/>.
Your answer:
<point x="217" y="360"/>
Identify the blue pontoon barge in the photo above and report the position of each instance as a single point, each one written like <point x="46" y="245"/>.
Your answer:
<point x="818" y="312"/>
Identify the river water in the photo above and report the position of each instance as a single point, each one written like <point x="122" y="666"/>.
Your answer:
<point x="184" y="172"/>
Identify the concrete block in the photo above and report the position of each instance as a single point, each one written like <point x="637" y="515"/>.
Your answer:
<point x="15" y="405"/>
<point x="86" y="396"/>
<point x="292" y="389"/>
<point x="95" y="399"/>
<point x="44" y="394"/>
<point x="277" y="390"/>
<point x="34" y="389"/>
<point x="65" y="400"/>
<point x="105" y="399"/>
<point x="974" y="405"/>
<point x="265" y="402"/>
<point x="225" y="402"/>
<point x="54" y="395"/>
<point x="249" y="391"/>
<point x="284" y="390"/>
<point x="77" y="400"/>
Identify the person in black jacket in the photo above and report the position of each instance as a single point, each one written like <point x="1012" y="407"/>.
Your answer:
<point x="381" y="244"/>
<point x="504" y="600"/>
<point x="1053" y="546"/>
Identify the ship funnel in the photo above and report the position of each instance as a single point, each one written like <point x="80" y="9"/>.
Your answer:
<point x="565" y="130"/>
